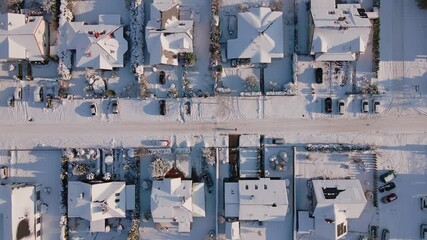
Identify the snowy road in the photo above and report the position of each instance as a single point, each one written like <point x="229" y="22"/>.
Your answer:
<point x="28" y="135"/>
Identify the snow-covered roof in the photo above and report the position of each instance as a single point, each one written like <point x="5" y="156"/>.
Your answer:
<point x="261" y="199"/>
<point x="166" y="35"/>
<point x="199" y="200"/>
<point x="99" y="46"/>
<point x="17" y="211"/>
<point x="23" y="37"/>
<point x="173" y="200"/>
<point x="330" y="223"/>
<point x="232" y="230"/>
<point x="259" y="36"/>
<point x="338" y="33"/>
<point x="98" y="201"/>
<point x="335" y="201"/>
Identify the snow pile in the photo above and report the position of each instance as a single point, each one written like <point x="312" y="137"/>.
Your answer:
<point x="66" y="14"/>
<point x="136" y="35"/>
<point x="338" y="147"/>
<point x="64" y="65"/>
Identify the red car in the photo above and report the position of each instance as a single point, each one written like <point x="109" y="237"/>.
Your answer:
<point x="389" y="198"/>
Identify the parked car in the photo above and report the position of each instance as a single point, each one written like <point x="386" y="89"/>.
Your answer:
<point x="373" y="232"/>
<point x="49" y="101"/>
<point x="424" y="203"/>
<point x="188" y="108"/>
<point x="38" y="94"/>
<point x="387" y="187"/>
<point x="162" y="77"/>
<point x="319" y="75"/>
<point x="114" y="106"/>
<point x="93" y="109"/>
<point x="11" y="101"/>
<point x="388" y="176"/>
<point x="377" y="107"/>
<point x="208" y="180"/>
<point x="4" y="172"/>
<point x="365" y="106"/>
<point x="341" y="107"/>
<point x="389" y="198"/>
<point x="328" y="105"/>
<point x="162" y="107"/>
<point x="385" y="235"/>
<point x="423" y="231"/>
<point x="18" y="93"/>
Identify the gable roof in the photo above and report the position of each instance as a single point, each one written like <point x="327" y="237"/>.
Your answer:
<point x="98" y="46"/>
<point x="166" y="35"/>
<point x="22" y="37"/>
<point x="259" y="36"/>
<point x="171" y="201"/>
<point x="339" y="32"/>
<point x="97" y="201"/>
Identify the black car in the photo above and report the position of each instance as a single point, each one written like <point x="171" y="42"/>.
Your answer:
<point x="319" y="75"/>
<point x="162" y="107"/>
<point x="162" y="77"/>
<point x="389" y="198"/>
<point x="49" y="101"/>
<point x="188" y="108"/>
<point x="389" y="186"/>
<point x="373" y="232"/>
<point x="208" y="181"/>
<point x="328" y="105"/>
<point x="115" y="106"/>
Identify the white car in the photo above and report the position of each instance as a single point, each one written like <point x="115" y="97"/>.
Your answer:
<point x="4" y="172"/>
<point x="377" y="107"/>
<point x="365" y="105"/>
<point x="38" y="94"/>
<point x="18" y="93"/>
<point x="341" y="107"/>
<point x="93" y="109"/>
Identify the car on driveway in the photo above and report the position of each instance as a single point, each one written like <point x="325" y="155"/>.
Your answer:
<point x="377" y="107"/>
<point x="388" y="176"/>
<point x="389" y="198"/>
<point x="162" y="107"/>
<point x="4" y="172"/>
<point x="365" y="106"/>
<point x="389" y="186"/>
<point x="328" y="105"/>
<point x="319" y="75"/>
<point x="385" y="235"/>
<point x="341" y="107"/>
<point x="93" y="109"/>
<point x="208" y="180"/>
<point x="162" y="77"/>
<point x="114" y="106"/>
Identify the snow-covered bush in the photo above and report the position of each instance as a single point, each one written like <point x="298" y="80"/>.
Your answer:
<point x="158" y="168"/>
<point x="339" y="147"/>
<point x="251" y="83"/>
<point x="80" y="169"/>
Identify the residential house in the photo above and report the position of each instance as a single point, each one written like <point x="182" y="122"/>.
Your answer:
<point x="335" y="201"/>
<point x="23" y="37"/>
<point x="97" y="202"/>
<point x="20" y="216"/>
<point x="100" y="46"/>
<point x="259" y="36"/>
<point x="175" y="201"/>
<point x="338" y="33"/>
<point x="166" y="34"/>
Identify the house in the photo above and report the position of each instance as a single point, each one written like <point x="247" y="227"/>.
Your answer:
<point x="261" y="199"/>
<point x="338" y="33"/>
<point x="23" y="37"/>
<point x="167" y="35"/>
<point x="20" y="216"/>
<point x="334" y="201"/>
<point x="99" y="46"/>
<point x="176" y="201"/>
<point x="259" y="36"/>
<point x="97" y="202"/>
